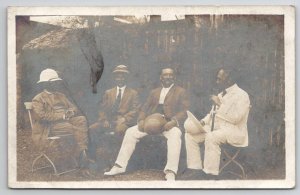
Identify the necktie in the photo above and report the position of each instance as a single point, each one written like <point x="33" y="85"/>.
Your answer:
<point x="117" y="102"/>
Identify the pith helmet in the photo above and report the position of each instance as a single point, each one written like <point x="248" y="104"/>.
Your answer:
<point x="192" y="125"/>
<point x="48" y="75"/>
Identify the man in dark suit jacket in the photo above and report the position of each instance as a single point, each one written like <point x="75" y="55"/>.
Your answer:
<point x="169" y="100"/>
<point x="118" y="110"/>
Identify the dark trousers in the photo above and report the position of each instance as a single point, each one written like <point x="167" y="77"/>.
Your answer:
<point x="76" y="126"/>
<point x="109" y="140"/>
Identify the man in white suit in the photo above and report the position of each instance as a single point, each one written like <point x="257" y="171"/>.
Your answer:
<point x="229" y="126"/>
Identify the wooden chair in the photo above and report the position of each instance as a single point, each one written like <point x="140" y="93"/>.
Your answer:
<point x="50" y="163"/>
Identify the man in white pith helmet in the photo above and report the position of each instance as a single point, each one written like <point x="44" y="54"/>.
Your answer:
<point x="57" y="115"/>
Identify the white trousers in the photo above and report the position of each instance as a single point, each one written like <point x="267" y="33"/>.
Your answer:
<point x="133" y="136"/>
<point x="212" y="153"/>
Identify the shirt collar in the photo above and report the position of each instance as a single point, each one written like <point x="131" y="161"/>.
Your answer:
<point x="45" y="90"/>
<point x="168" y="87"/>
<point x="122" y="88"/>
<point x="231" y="88"/>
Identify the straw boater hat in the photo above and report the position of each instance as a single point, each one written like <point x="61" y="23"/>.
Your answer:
<point x="121" y="69"/>
<point x="192" y="125"/>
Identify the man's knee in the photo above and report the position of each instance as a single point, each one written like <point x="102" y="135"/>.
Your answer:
<point x="131" y="132"/>
<point x="121" y="128"/>
<point x="212" y="138"/>
<point x="188" y="138"/>
<point x="78" y="121"/>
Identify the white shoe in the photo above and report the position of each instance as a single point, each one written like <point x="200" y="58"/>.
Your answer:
<point x="115" y="171"/>
<point x="170" y="176"/>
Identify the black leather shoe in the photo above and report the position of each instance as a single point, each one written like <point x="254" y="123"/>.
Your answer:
<point x="85" y="172"/>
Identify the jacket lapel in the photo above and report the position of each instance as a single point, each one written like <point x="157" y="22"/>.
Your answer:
<point x="170" y="93"/>
<point x="113" y="95"/>
<point x="157" y="95"/>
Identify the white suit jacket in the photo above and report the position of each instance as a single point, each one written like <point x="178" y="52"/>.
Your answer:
<point x="232" y="115"/>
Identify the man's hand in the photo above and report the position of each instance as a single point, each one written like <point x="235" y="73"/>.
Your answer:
<point x="121" y="120"/>
<point x="141" y="125"/>
<point x="215" y="99"/>
<point x="169" y="125"/>
<point x="69" y="114"/>
<point x="202" y="122"/>
<point x="96" y="125"/>
<point x="106" y="124"/>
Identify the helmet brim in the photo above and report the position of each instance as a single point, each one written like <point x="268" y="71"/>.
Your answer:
<point x="55" y="79"/>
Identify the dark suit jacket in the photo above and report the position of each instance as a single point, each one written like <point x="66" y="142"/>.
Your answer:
<point x="128" y="109"/>
<point x="175" y="105"/>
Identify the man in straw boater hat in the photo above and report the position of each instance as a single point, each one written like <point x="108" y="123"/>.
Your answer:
<point x="163" y="112"/>
<point x="56" y="115"/>
<point x="118" y="111"/>
<point x="225" y="124"/>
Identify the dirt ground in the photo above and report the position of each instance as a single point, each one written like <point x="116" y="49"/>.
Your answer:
<point x="26" y="154"/>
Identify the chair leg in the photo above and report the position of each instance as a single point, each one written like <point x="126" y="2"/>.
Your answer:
<point x="51" y="165"/>
<point x="54" y="168"/>
<point x="34" y="161"/>
<point x="241" y="167"/>
<point x="231" y="159"/>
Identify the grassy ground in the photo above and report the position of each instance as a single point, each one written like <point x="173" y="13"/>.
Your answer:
<point x="26" y="154"/>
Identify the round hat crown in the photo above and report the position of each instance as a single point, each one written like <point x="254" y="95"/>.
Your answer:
<point x="121" y="69"/>
<point x="48" y="75"/>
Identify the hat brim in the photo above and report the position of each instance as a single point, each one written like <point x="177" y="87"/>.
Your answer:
<point x="56" y="79"/>
<point x="196" y="122"/>
<point x="121" y="71"/>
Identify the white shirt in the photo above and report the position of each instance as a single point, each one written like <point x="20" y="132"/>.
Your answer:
<point x="122" y="91"/>
<point x="163" y="93"/>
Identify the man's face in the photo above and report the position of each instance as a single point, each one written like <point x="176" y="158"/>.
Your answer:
<point x="222" y="80"/>
<point x="54" y="86"/>
<point x="120" y="79"/>
<point x="167" y="77"/>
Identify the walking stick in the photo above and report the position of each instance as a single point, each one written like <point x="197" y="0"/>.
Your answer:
<point x="213" y="118"/>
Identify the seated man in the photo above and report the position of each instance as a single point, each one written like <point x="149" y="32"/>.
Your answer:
<point x="226" y="123"/>
<point x="118" y="111"/>
<point x="56" y="115"/>
<point x="169" y="100"/>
